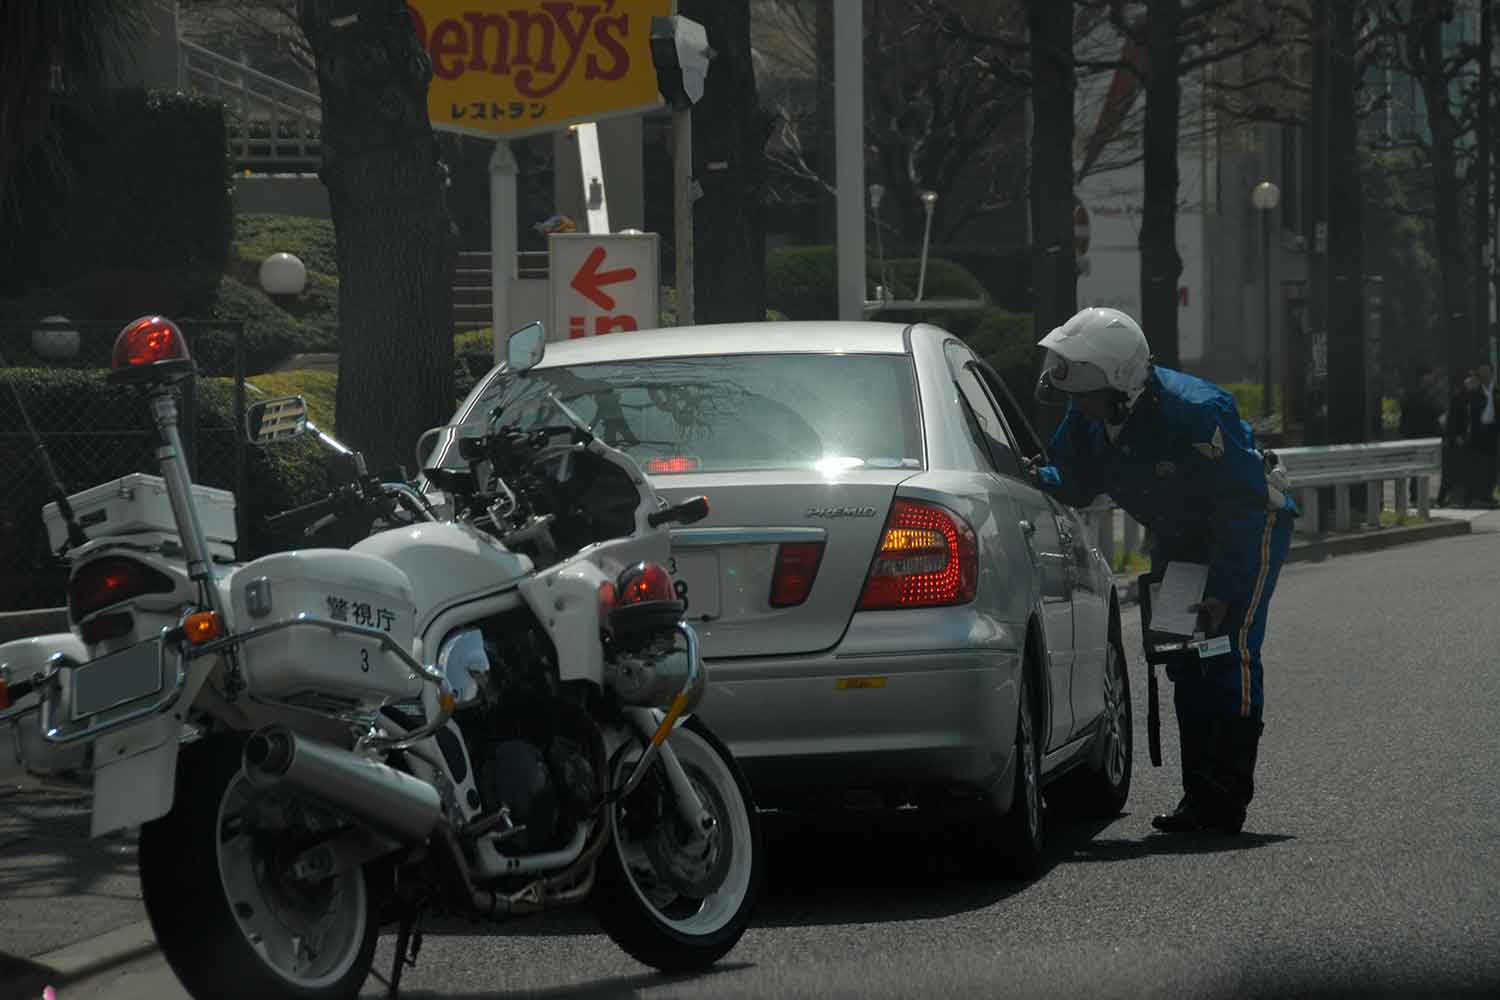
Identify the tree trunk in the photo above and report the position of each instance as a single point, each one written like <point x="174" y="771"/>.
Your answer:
<point x="1054" y="265"/>
<point x="729" y="139"/>
<point x="1347" y="378"/>
<point x="1482" y="233"/>
<point x="1308" y="395"/>
<point x="1454" y="322"/>
<point x="1161" y="266"/>
<point x="395" y="243"/>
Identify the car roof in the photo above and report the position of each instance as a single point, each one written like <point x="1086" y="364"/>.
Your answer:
<point x="789" y="337"/>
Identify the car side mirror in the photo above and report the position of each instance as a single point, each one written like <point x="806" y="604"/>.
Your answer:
<point x="273" y="420"/>
<point x="525" y="348"/>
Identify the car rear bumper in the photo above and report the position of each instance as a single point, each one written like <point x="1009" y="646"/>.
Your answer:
<point x="941" y="718"/>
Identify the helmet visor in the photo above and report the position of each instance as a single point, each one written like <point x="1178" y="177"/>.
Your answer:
<point x="1061" y="379"/>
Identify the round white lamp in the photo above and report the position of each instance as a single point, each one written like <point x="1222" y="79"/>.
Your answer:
<point x="54" y="339"/>
<point x="283" y="274"/>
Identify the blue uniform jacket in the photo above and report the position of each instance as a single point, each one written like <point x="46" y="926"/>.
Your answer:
<point x="1186" y="467"/>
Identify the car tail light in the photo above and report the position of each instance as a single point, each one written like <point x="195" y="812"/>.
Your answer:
<point x="928" y="557"/>
<point x="671" y="466"/>
<point x="100" y="584"/>
<point x="796" y="568"/>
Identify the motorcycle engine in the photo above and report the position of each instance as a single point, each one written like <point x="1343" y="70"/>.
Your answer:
<point x="529" y="741"/>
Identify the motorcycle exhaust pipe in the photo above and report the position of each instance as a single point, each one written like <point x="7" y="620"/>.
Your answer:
<point x="380" y="796"/>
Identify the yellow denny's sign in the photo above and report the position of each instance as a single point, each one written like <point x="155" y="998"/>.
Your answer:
<point x="515" y="67"/>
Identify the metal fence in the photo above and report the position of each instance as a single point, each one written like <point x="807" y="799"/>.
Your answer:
<point x="96" y="432"/>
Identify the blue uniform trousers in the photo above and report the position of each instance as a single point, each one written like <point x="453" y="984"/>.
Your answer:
<point x="1229" y="686"/>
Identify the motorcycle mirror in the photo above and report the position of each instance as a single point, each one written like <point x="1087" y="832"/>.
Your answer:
<point x="272" y="420"/>
<point x="525" y="348"/>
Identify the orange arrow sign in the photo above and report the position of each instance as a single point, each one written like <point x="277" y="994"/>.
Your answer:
<point x="590" y="281"/>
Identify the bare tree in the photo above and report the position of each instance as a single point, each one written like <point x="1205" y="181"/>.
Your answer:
<point x="394" y="240"/>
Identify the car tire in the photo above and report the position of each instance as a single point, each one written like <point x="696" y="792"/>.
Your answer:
<point x="1099" y="788"/>
<point x="1010" y="845"/>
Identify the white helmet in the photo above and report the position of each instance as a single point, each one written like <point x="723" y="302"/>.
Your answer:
<point x="1098" y="348"/>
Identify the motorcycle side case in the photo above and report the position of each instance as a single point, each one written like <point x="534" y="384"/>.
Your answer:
<point x="309" y="662"/>
<point x="22" y="748"/>
<point x="447" y="563"/>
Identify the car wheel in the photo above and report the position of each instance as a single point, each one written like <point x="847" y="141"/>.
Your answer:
<point x="1099" y="788"/>
<point x="1011" y="845"/>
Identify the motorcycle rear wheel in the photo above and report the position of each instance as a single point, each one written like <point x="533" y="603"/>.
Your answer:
<point x="228" y="919"/>
<point x="671" y="909"/>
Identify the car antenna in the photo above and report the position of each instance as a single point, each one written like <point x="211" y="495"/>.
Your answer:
<point x="76" y="537"/>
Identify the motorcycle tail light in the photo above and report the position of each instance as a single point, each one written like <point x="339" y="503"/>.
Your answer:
<point x="98" y="585"/>
<point x="796" y="569"/>
<point x="928" y="557"/>
<point x="645" y="583"/>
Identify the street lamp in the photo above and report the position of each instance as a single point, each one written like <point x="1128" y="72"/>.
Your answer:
<point x="929" y="201"/>
<point x="283" y="274"/>
<point x="1265" y="197"/>
<point x="877" y="193"/>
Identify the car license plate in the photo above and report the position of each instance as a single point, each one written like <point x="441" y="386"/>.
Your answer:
<point x="697" y="582"/>
<point x="113" y="680"/>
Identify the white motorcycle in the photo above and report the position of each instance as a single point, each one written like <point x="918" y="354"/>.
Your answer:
<point x="484" y="712"/>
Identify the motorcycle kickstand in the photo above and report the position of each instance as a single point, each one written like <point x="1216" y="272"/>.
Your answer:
<point x="408" y="936"/>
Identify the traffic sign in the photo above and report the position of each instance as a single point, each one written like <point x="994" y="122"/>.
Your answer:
<point x="603" y="284"/>
<point x="512" y="68"/>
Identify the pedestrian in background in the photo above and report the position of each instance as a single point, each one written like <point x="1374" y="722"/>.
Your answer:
<point x="1484" y="437"/>
<point x="1421" y="408"/>
<point x="1453" y="491"/>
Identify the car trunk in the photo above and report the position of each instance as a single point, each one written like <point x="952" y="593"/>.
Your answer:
<point x="727" y="562"/>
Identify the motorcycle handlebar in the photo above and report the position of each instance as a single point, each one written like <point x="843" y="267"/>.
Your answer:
<point x="307" y="512"/>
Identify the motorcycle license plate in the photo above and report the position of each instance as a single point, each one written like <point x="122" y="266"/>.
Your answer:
<point x="696" y="581"/>
<point x="116" y="679"/>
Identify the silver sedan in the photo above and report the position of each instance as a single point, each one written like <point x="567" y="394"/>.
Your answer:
<point x="891" y="611"/>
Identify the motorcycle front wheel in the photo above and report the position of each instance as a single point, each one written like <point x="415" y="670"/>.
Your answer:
<point x="230" y="917"/>
<point x="669" y="903"/>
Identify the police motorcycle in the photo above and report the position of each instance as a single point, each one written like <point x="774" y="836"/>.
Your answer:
<point x="481" y="711"/>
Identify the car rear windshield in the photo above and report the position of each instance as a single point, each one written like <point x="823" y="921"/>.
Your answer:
<point x="731" y="413"/>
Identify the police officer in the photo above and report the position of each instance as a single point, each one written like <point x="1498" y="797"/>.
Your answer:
<point x="1172" y="451"/>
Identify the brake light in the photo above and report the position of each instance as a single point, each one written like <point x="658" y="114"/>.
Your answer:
<point x="796" y="568"/>
<point x="671" y="466"/>
<point x="645" y="583"/>
<point x="151" y="344"/>
<point x="928" y="557"/>
<point x="100" y="584"/>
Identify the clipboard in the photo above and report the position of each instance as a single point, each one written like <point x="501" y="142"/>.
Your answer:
<point x="1166" y="649"/>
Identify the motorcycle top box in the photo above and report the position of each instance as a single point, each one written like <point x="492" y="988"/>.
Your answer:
<point x="139" y="503"/>
<point x="310" y="658"/>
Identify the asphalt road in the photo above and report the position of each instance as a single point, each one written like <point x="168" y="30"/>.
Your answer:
<point x="1370" y="864"/>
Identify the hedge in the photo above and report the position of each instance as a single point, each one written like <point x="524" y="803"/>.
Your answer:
<point x="802" y="282"/>
<point x="131" y="180"/>
<point x="96" y="432"/>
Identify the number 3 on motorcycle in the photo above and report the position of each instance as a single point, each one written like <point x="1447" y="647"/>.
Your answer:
<point x="364" y="660"/>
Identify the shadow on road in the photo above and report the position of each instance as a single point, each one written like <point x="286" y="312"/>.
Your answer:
<point x="600" y="989"/>
<point x="1158" y="844"/>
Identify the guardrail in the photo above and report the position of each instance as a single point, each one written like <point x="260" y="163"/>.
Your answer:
<point x="278" y="125"/>
<point x="1341" y="467"/>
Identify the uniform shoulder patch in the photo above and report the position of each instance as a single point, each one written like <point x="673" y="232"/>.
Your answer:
<point x="1213" y="448"/>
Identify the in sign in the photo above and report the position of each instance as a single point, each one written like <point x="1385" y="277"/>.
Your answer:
<point x="603" y="284"/>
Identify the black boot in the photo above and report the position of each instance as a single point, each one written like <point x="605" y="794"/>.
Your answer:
<point x="1195" y="738"/>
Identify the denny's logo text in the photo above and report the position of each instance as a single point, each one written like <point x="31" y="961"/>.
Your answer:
<point x="516" y="67"/>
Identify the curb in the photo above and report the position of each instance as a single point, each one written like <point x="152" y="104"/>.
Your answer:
<point x="95" y="955"/>
<point x="1319" y="549"/>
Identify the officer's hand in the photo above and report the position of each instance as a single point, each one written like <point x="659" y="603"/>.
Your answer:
<point x="1211" y="614"/>
<point x="1030" y="465"/>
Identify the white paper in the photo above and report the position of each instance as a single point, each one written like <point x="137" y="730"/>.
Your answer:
<point x="1180" y="589"/>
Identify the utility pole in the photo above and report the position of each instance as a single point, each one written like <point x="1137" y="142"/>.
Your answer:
<point x="1315" y="238"/>
<point x="1483" y="235"/>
